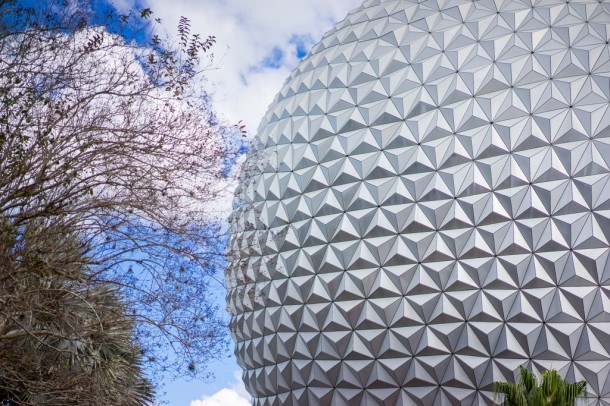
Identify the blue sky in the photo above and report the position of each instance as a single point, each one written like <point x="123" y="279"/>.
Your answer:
<point x="259" y="43"/>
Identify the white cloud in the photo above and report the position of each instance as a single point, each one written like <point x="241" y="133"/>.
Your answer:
<point x="248" y="32"/>
<point x="235" y="395"/>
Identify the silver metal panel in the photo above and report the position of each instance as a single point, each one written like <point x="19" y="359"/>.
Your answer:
<point x="427" y="206"/>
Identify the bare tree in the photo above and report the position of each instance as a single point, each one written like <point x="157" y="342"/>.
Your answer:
<point x="114" y="138"/>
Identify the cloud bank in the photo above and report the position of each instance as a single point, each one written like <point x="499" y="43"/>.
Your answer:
<point x="259" y="43"/>
<point x="235" y="395"/>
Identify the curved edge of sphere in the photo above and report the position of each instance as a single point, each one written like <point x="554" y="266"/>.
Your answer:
<point x="427" y="206"/>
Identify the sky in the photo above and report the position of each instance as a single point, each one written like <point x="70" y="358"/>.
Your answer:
<point x="258" y="44"/>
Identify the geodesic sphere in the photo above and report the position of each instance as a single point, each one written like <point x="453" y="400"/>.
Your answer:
<point x="427" y="207"/>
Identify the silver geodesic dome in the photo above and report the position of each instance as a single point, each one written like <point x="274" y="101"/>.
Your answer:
<point x="427" y="207"/>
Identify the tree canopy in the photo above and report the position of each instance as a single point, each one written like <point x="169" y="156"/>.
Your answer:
<point x="63" y="339"/>
<point x="107" y="135"/>
<point x="552" y="390"/>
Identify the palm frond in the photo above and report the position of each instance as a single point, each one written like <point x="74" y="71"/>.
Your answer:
<point x="551" y="390"/>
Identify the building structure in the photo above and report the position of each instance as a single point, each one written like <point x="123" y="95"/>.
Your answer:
<point x="427" y="206"/>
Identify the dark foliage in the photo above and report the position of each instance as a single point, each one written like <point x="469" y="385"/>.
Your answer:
<point x="64" y="340"/>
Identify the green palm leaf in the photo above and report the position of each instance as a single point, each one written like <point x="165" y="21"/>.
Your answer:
<point x="552" y="390"/>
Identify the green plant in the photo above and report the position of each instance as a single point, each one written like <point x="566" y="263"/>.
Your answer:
<point x="552" y="390"/>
